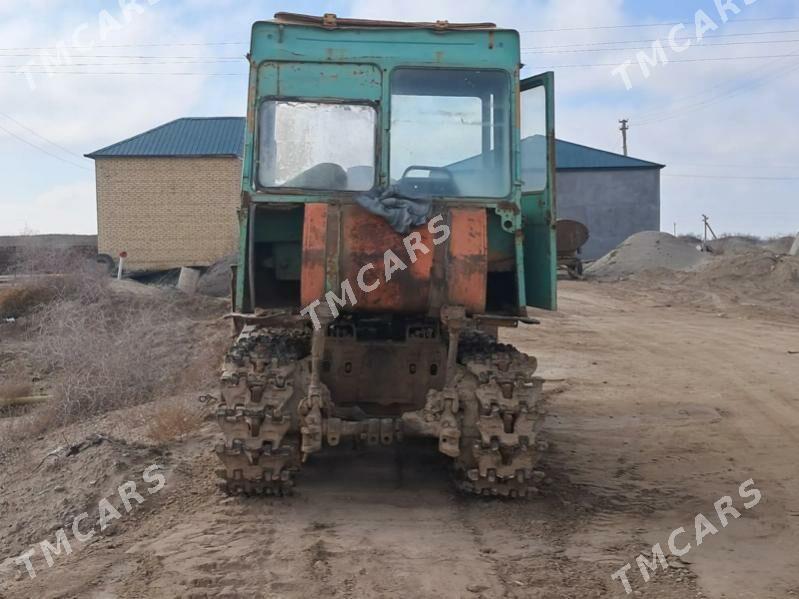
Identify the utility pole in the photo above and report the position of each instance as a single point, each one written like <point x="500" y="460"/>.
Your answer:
<point x="706" y="223"/>
<point x="624" y="128"/>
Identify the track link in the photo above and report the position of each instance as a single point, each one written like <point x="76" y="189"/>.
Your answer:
<point x="262" y="381"/>
<point x="502" y="415"/>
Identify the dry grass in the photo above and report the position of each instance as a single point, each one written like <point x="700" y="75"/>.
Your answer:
<point x="111" y="353"/>
<point x="15" y="390"/>
<point x="32" y="256"/>
<point x="99" y="346"/>
<point x="25" y="298"/>
<point x="174" y="421"/>
<point x="100" y="350"/>
<point x="11" y="398"/>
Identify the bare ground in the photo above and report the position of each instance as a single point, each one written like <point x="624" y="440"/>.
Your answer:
<point x="656" y="411"/>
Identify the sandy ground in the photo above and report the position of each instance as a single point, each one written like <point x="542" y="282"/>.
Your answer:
<point x="656" y="412"/>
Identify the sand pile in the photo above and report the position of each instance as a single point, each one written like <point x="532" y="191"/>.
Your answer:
<point x="759" y="267"/>
<point x="741" y="275"/>
<point x="647" y="250"/>
<point x="734" y="244"/>
<point x="780" y="245"/>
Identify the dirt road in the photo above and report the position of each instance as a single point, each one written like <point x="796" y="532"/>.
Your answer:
<point x="655" y="413"/>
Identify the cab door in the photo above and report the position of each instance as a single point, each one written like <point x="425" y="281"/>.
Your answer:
<point x="537" y="169"/>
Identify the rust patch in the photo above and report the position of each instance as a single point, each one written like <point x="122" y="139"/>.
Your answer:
<point x="365" y="239"/>
<point x="468" y="259"/>
<point x="314" y="234"/>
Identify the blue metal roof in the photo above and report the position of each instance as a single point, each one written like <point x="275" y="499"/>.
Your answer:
<point x="213" y="136"/>
<point x="569" y="156"/>
<point x="224" y="136"/>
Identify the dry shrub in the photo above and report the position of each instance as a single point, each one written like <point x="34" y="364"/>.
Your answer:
<point x="20" y="300"/>
<point x="103" y="355"/>
<point x="24" y="298"/>
<point x="100" y="345"/>
<point x="173" y="421"/>
<point x="31" y="292"/>
<point x="104" y="350"/>
<point x="34" y="255"/>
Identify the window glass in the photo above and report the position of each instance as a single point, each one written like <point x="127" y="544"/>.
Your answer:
<point x="534" y="138"/>
<point x="313" y="145"/>
<point x="450" y="132"/>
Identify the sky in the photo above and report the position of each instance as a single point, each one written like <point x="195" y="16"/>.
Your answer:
<point x="721" y="113"/>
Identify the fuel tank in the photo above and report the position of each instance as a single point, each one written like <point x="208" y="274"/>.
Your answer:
<point x="416" y="273"/>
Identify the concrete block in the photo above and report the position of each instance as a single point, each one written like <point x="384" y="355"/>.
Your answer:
<point x="188" y="279"/>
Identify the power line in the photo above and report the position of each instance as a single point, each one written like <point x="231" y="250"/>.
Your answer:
<point x="36" y="68"/>
<point x="760" y="71"/>
<point x="42" y="137"/>
<point x="159" y="45"/>
<point x="702" y="94"/>
<point x="130" y="56"/>
<point x="615" y="64"/>
<point x="41" y="68"/>
<point x="736" y="177"/>
<point x="735" y="91"/>
<point x="33" y="145"/>
<point x="17" y="73"/>
<point x="756" y="166"/>
<point x="679" y="39"/>
<point x="661" y="24"/>
<point x="650" y="47"/>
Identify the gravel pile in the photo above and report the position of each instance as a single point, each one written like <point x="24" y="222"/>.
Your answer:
<point x="647" y="250"/>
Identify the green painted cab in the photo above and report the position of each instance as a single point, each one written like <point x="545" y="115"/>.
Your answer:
<point x="340" y="109"/>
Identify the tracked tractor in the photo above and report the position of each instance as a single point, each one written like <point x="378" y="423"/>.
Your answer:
<point x="397" y="209"/>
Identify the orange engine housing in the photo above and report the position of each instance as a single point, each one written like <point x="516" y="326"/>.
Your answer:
<point x="338" y="240"/>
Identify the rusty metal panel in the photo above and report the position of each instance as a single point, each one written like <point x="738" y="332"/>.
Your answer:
<point x="331" y="21"/>
<point x="340" y="247"/>
<point x="468" y="259"/>
<point x="314" y="234"/>
<point x="365" y="240"/>
<point x="383" y="377"/>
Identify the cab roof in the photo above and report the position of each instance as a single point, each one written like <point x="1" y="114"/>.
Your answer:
<point x="331" y="21"/>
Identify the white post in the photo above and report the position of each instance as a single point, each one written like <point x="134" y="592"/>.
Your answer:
<point x="794" y="251"/>
<point x="122" y="256"/>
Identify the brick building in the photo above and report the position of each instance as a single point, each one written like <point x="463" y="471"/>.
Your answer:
<point x="168" y="197"/>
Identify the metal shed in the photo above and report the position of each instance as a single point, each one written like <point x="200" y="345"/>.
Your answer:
<point x="613" y="195"/>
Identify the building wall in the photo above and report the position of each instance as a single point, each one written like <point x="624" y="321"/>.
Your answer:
<point x="171" y="212"/>
<point x="167" y="212"/>
<point x="613" y="204"/>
